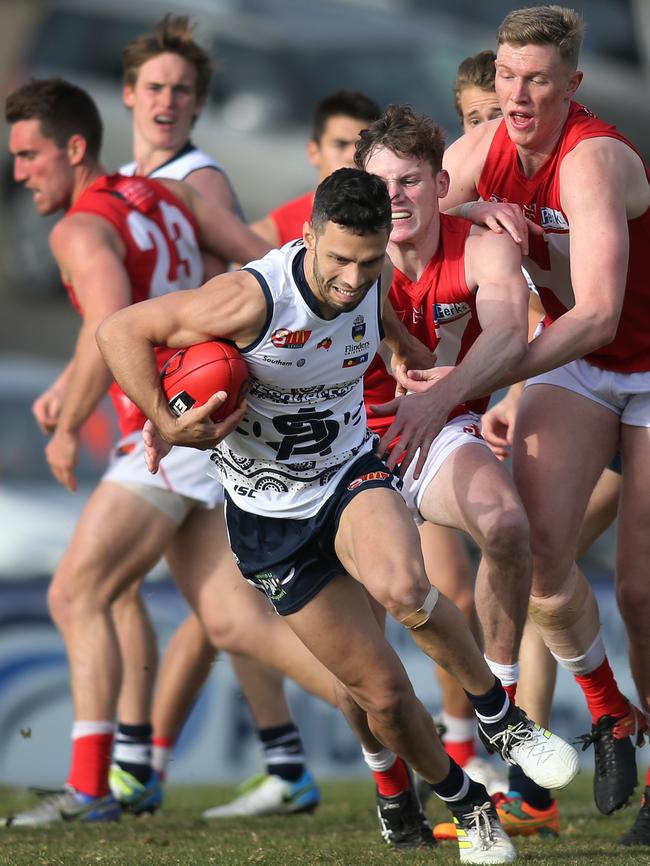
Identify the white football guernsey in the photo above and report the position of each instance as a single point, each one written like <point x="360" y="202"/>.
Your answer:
<point x="306" y="418"/>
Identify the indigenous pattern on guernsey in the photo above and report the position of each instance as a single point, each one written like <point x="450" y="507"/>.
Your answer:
<point x="281" y="463"/>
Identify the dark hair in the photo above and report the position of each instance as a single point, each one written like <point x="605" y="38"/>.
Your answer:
<point x="173" y="35"/>
<point x="349" y="103"/>
<point x="354" y="199"/>
<point x="475" y="71"/>
<point x="404" y="132"/>
<point x="545" y="25"/>
<point x="63" y="110"/>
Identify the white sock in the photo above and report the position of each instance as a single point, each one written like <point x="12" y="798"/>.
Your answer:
<point x="379" y="762"/>
<point x="457" y="730"/>
<point x="87" y="729"/>
<point x="508" y="674"/>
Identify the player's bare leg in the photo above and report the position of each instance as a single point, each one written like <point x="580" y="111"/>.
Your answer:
<point x="185" y="666"/>
<point x="236" y="617"/>
<point x="449" y="566"/>
<point x="601" y="509"/>
<point x="555" y="492"/>
<point x="632" y="592"/>
<point x="472" y="491"/>
<point x="394" y="575"/>
<point x="118" y="539"/>
<point x="139" y="651"/>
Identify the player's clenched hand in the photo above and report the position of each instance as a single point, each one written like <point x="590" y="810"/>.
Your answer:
<point x="195" y="429"/>
<point x="62" y="455"/>
<point x="46" y="409"/>
<point x="418" y="420"/>
<point x="498" y="426"/>
<point x="500" y="216"/>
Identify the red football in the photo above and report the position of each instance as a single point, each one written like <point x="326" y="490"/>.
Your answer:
<point x="194" y="374"/>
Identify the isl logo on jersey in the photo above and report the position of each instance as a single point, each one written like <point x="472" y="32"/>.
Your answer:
<point x="358" y="329"/>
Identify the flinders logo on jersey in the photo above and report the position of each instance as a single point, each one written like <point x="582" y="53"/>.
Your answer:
<point x="285" y="339"/>
<point x="358" y="329"/>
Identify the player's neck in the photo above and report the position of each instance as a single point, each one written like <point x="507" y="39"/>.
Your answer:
<point x="148" y="158"/>
<point x="531" y="159"/>
<point x="85" y="176"/>
<point x="412" y="258"/>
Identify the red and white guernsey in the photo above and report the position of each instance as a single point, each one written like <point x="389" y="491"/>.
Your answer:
<point x="439" y="309"/>
<point x="502" y="180"/>
<point x="159" y="234"/>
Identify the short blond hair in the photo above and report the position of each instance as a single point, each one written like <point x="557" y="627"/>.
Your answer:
<point x="545" y="25"/>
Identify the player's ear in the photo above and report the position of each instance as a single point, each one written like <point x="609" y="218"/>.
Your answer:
<point x="76" y="149"/>
<point x="575" y="79"/>
<point x="313" y="153"/>
<point x="308" y="235"/>
<point x="442" y="183"/>
<point x="128" y="95"/>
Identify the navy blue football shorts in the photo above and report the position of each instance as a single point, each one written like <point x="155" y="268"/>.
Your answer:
<point x="292" y="560"/>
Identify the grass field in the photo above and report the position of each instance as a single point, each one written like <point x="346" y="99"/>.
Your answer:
<point x="342" y="832"/>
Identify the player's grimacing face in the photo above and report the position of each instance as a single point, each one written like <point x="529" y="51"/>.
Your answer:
<point x="413" y="190"/>
<point x="336" y="146"/>
<point x="534" y="86"/>
<point x="344" y="266"/>
<point x="163" y="100"/>
<point x="42" y="166"/>
<point x="477" y="106"/>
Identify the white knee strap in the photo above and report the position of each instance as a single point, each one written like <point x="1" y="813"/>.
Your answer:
<point x="421" y="616"/>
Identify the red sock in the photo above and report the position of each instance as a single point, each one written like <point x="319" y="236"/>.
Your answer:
<point x="91" y="760"/>
<point x="392" y="781"/>
<point x="647" y="778"/>
<point x="162" y="748"/>
<point x="601" y="692"/>
<point x="511" y="691"/>
<point x="460" y="751"/>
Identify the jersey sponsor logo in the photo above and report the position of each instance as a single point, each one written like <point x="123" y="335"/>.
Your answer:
<point x="553" y="219"/>
<point x="356" y="348"/>
<point x="450" y="312"/>
<point x="180" y="403"/>
<point x="354" y="362"/>
<point x="242" y="490"/>
<point x="358" y="329"/>
<point x="325" y="344"/>
<point x="284" y="339"/>
<point x="274" y="585"/>
<point x="368" y="476"/>
<point x="279" y="362"/>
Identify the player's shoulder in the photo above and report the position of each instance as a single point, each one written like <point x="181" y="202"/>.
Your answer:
<point x="476" y="141"/>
